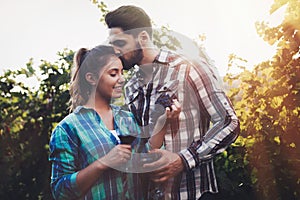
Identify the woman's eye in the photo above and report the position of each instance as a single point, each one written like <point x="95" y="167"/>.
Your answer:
<point x="113" y="75"/>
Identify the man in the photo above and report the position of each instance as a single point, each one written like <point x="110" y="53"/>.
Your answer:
<point x="207" y="123"/>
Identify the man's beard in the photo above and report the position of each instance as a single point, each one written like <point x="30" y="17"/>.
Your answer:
<point x="136" y="57"/>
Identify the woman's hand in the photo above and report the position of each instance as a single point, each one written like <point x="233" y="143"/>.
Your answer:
<point x="167" y="166"/>
<point x="87" y="177"/>
<point x="119" y="155"/>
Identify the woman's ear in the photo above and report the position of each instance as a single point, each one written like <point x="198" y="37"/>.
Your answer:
<point x="143" y="38"/>
<point x="91" y="78"/>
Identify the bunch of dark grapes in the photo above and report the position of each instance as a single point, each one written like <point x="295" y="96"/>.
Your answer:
<point x="165" y="100"/>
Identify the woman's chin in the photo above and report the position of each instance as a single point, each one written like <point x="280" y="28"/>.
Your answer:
<point x="117" y="95"/>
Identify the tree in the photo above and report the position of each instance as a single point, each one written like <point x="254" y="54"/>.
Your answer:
<point x="28" y="116"/>
<point x="268" y="105"/>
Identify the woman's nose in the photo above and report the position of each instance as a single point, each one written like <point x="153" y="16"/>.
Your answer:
<point x="122" y="79"/>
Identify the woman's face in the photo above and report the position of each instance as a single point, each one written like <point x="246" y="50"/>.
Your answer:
<point x="111" y="81"/>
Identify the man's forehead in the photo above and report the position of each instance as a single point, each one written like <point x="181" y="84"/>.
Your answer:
<point x="115" y="31"/>
<point x="118" y="34"/>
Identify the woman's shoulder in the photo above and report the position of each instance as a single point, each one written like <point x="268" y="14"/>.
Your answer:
<point x="66" y="122"/>
<point x="121" y="110"/>
<point x="72" y="119"/>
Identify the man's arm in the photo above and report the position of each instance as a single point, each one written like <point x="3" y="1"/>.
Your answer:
<point x="216" y="107"/>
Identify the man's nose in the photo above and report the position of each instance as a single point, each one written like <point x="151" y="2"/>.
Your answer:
<point x="117" y="50"/>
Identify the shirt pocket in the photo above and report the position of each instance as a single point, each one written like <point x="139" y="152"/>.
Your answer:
<point x="164" y="97"/>
<point x="170" y="88"/>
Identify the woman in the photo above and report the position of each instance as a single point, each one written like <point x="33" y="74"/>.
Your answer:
<point x="85" y="149"/>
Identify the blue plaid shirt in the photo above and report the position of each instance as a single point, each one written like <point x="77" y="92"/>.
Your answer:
<point x="79" y="140"/>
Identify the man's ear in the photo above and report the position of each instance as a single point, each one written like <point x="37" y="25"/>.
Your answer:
<point x="91" y="78"/>
<point x="143" y="38"/>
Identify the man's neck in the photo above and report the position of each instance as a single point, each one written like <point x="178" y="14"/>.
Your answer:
<point x="146" y="65"/>
<point x="149" y="56"/>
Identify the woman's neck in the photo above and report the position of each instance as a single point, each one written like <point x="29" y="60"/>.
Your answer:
<point x="99" y="104"/>
<point x="102" y="107"/>
<point x="106" y="117"/>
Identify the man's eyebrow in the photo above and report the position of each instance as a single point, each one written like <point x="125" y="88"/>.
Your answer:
<point x="117" y="40"/>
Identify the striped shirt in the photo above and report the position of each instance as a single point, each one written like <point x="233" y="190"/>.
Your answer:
<point x="206" y="126"/>
<point x="79" y="140"/>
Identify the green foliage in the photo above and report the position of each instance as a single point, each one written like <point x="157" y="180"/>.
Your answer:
<point x="102" y="8"/>
<point x="267" y="103"/>
<point x="28" y="116"/>
<point x="164" y="38"/>
<point x="233" y="174"/>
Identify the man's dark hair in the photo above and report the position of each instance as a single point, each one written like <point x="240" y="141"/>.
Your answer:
<point x="129" y="18"/>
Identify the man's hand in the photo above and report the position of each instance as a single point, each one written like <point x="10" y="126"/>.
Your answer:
<point x="171" y="113"/>
<point x="168" y="166"/>
<point x="174" y="110"/>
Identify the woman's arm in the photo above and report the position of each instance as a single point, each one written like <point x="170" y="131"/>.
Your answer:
<point x="88" y="176"/>
<point x="67" y="180"/>
<point x="160" y="128"/>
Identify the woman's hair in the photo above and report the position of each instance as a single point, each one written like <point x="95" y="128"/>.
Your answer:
<point x="87" y="61"/>
<point x="129" y="18"/>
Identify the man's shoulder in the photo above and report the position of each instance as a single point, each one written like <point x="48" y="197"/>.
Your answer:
<point x="175" y="60"/>
<point x="168" y="56"/>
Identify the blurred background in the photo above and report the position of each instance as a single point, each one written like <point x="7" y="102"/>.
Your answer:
<point x="253" y="44"/>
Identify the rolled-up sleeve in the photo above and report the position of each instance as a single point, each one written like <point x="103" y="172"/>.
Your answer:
<point x="63" y="155"/>
<point x="215" y="108"/>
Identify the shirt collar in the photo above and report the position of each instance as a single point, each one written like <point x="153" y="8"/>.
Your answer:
<point x="79" y="109"/>
<point x="134" y="83"/>
<point x="170" y="58"/>
<point x="162" y="57"/>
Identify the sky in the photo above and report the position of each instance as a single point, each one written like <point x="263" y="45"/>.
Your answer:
<point x="38" y="29"/>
